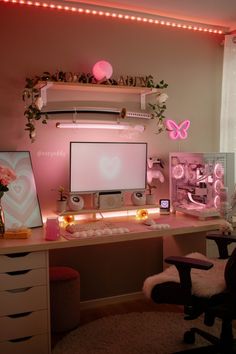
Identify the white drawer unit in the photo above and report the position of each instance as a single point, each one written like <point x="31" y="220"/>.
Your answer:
<point x="27" y="345"/>
<point x="23" y="325"/>
<point x="24" y="303"/>
<point x="24" y="260"/>
<point x="23" y="278"/>
<point x="23" y="300"/>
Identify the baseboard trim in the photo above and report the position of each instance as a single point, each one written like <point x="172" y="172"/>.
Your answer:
<point x="84" y="305"/>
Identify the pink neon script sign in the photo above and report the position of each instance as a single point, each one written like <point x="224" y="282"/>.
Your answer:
<point x="177" y="131"/>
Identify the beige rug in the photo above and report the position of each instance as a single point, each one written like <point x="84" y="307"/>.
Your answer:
<point x="132" y="333"/>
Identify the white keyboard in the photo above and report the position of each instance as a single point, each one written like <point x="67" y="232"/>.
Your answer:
<point x="93" y="230"/>
<point x="160" y="226"/>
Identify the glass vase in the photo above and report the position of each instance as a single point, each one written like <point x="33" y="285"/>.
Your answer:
<point x="2" y="224"/>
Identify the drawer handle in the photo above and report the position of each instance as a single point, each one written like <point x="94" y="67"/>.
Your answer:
<point x="20" y="290"/>
<point x="17" y="315"/>
<point x="18" y="272"/>
<point x="15" y="255"/>
<point x="23" y="339"/>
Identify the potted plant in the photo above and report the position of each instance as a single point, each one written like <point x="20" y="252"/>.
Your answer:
<point x="62" y="201"/>
<point x="150" y="197"/>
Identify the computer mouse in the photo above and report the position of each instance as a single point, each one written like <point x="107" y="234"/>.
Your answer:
<point x="149" y="222"/>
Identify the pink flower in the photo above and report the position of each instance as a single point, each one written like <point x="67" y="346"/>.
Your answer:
<point x="7" y="175"/>
<point x="161" y="98"/>
<point x="4" y="181"/>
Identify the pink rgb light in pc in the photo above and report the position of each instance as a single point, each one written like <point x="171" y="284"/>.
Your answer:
<point x="197" y="179"/>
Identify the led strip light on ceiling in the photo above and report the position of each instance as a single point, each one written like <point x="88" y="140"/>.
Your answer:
<point x="135" y="16"/>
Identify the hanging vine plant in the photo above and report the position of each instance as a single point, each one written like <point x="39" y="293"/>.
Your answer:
<point x="33" y="106"/>
<point x="158" y="108"/>
<point x="34" y="103"/>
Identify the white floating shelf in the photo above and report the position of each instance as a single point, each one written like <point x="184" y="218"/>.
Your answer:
<point x="54" y="93"/>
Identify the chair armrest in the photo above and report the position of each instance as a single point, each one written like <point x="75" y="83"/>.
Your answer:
<point x="187" y="262"/>
<point x="222" y="242"/>
<point x="217" y="235"/>
<point x="184" y="266"/>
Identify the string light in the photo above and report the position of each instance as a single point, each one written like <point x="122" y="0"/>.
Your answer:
<point x="126" y="16"/>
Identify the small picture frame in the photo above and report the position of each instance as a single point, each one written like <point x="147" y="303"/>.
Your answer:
<point x="164" y="206"/>
<point x="20" y="203"/>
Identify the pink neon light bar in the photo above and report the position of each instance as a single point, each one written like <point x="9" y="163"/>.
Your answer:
<point x="138" y="128"/>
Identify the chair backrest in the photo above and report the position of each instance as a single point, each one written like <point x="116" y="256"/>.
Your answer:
<point x="230" y="272"/>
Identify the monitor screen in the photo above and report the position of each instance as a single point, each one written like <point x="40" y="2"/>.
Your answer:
<point x="107" y="166"/>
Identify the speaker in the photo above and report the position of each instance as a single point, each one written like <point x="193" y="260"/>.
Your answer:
<point x="138" y="198"/>
<point x="75" y="202"/>
<point x="110" y="200"/>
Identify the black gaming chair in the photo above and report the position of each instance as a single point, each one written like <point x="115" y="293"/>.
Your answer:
<point x="221" y="303"/>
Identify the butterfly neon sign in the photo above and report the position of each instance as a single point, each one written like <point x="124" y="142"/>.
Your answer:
<point x="177" y="131"/>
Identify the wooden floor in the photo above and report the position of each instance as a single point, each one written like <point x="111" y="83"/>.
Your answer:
<point x="143" y="305"/>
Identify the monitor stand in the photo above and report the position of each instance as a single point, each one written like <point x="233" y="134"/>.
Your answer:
<point x="108" y="200"/>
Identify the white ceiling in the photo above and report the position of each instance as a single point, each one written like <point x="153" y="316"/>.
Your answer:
<point x="214" y="12"/>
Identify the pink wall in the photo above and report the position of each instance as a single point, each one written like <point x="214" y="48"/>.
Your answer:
<point x="36" y="40"/>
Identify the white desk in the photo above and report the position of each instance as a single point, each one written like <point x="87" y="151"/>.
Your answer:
<point x="180" y="224"/>
<point x="24" y="280"/>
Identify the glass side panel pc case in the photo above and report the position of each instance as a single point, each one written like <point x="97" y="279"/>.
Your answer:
<point x="196" y="180"/>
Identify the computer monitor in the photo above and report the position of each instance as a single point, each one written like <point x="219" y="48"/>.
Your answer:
<point x="107" y="166"/>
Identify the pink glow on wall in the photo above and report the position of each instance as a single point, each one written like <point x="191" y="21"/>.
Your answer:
<point x="178" y="24"/>
<point x="177" y="131"/>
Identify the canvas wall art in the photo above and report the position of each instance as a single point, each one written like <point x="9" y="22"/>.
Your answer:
<point x="20" y="203"/>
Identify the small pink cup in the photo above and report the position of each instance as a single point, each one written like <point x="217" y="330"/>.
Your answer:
<point x="52" y="229"/>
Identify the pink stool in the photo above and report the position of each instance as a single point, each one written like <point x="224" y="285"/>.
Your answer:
<point x="64" y="298"/>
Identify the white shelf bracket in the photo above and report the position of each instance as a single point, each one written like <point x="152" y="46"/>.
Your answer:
<point x="143" y="97"/>
<point x="43" y="91"/>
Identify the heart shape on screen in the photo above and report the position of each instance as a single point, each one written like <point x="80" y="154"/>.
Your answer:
<point x="110" y="166"/>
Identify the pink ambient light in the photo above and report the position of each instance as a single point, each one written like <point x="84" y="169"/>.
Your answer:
<point x="218" y="171"/>
<point x="194" y="201"/>
<point x="178" y="171"/>
<point x="138" y="128"/>
<point x="217" y="201"/>
<point x="177" y="131"/>
<point x="218" y="185"/>
<point x="150" y="19"/>
<point x="102" y="70"/>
